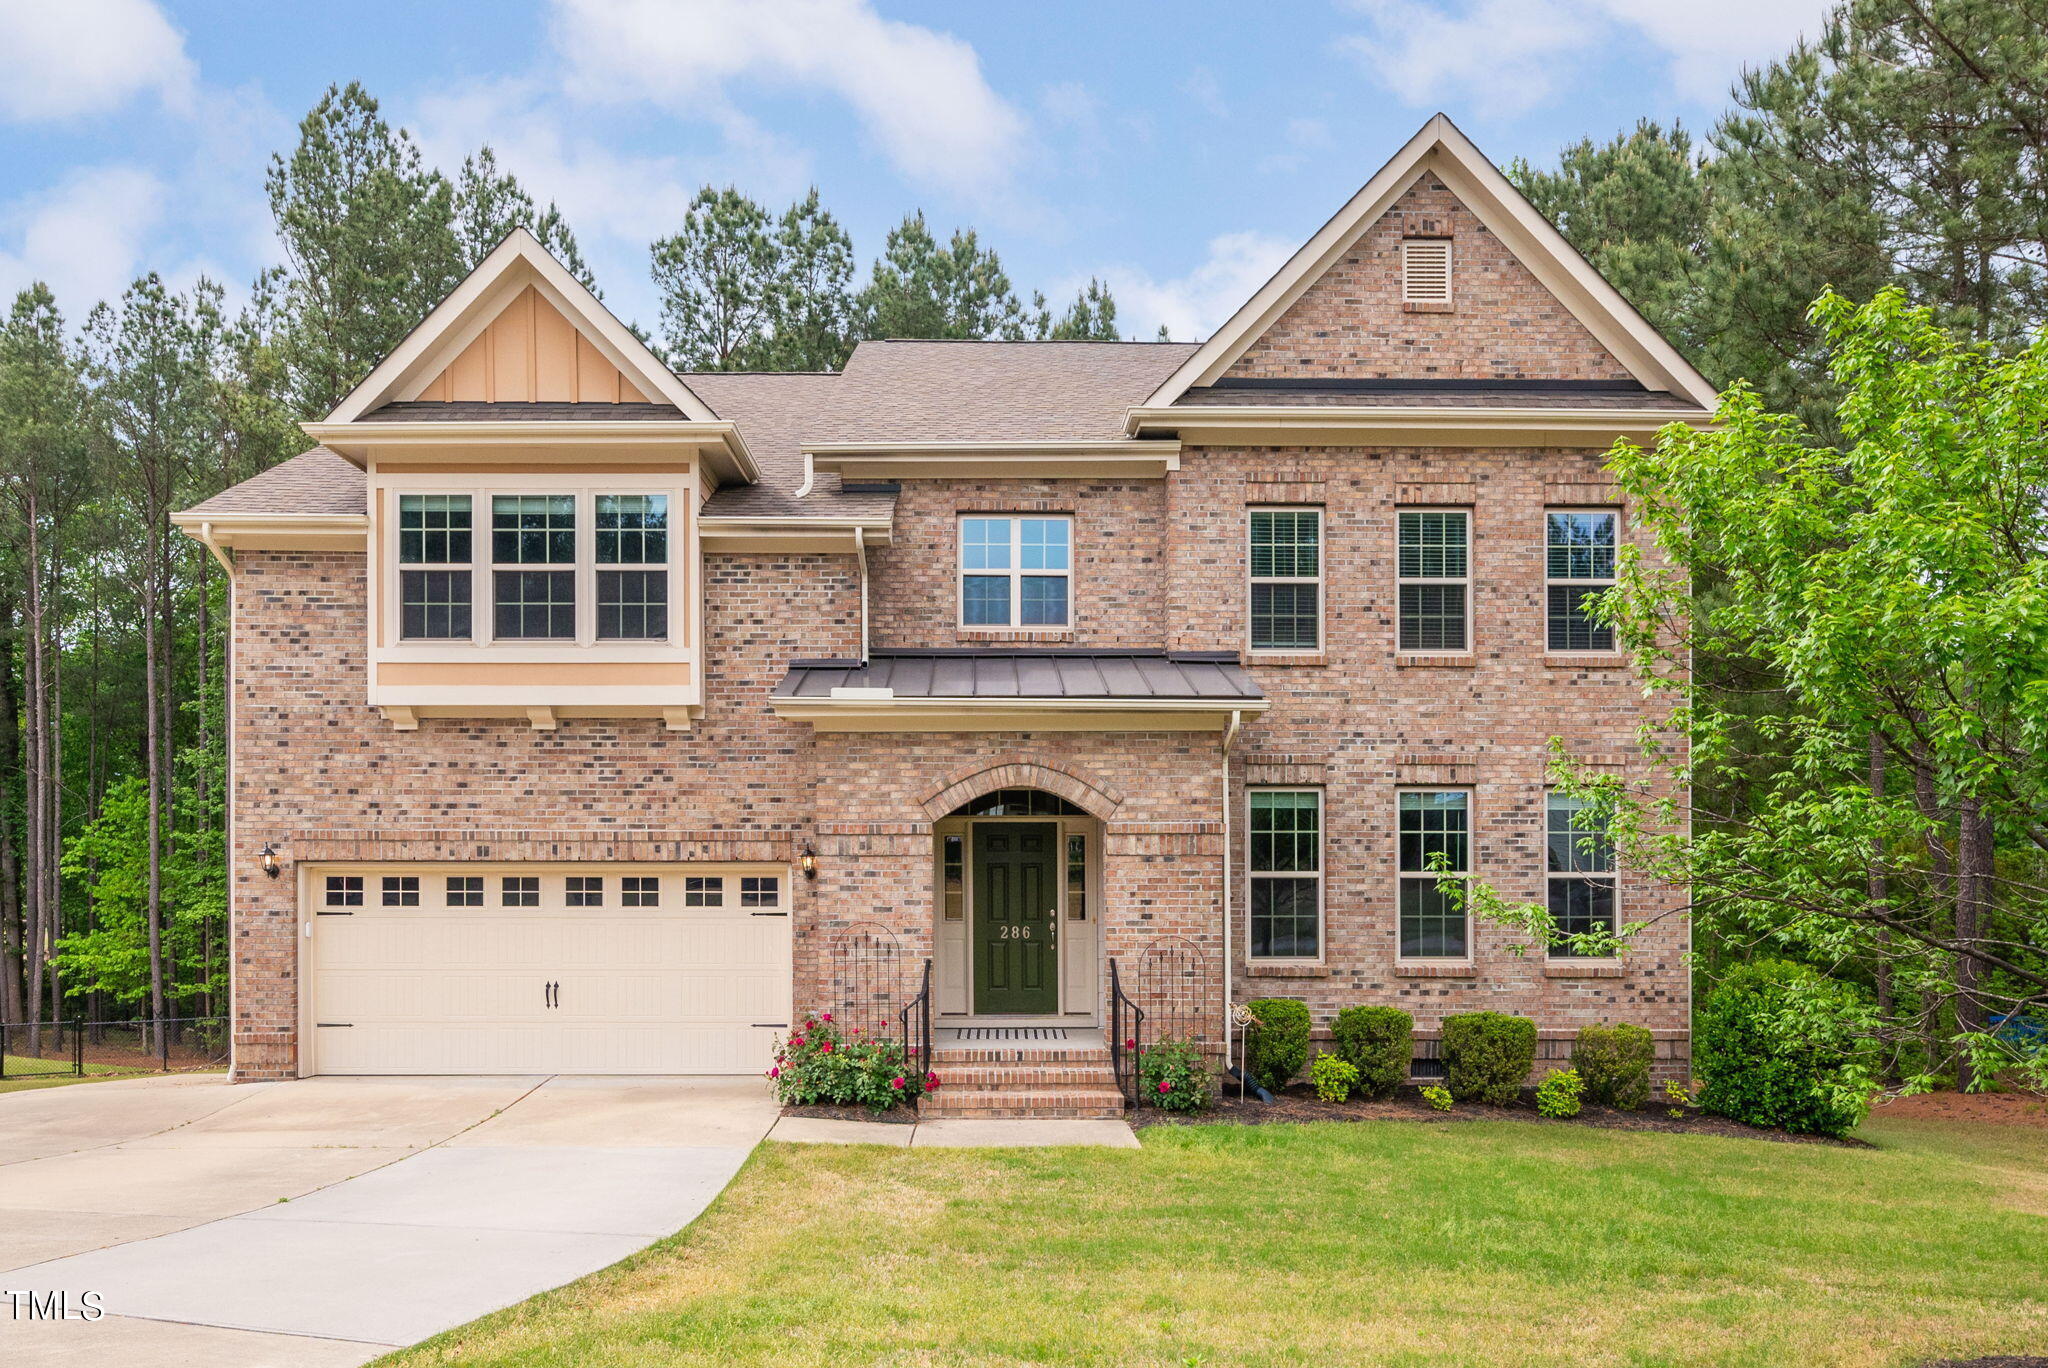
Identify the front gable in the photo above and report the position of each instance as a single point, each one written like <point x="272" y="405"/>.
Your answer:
<point x="1500" y="322"/>
<point x="1524" y="306"/>
<point x="531" y="354"/>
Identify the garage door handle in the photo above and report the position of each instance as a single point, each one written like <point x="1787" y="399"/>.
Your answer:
<point x="547" y="993"/>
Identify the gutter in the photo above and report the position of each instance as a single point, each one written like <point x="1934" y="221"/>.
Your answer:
<point x="860" y="551"/>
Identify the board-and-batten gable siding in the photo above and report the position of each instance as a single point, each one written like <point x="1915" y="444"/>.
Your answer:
<point x="1501" y="323"/>
<point x="531" y="354"/>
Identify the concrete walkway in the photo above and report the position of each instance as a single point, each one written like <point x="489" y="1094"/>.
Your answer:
<point x="953" y="1133"/>
<point x="321" y="1222"/>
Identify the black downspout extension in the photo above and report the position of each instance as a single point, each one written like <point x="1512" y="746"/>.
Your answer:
<point x="1239" y="1075"/>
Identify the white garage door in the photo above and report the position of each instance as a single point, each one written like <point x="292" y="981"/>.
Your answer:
<point x="492" y="970"/>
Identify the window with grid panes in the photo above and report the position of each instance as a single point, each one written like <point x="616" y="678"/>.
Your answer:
<point x="434" y="559"/>
<point x="1285" y="835"/>
<point x="530" y="534"/>
<point x="760" y="891"/>
<point x="1286" y="556"/>
<point x="1016" y="571"/>
<point x="639" y="891"/>
<point x="402" y="890"/>
<point x="1431" y="824"/>
<point x="1434" y="572"/>
<point x="583" y="891"/>
<point x="344" y="890"/>
<point x="522" y="890"/>
<point x="1578" y="562"/>
<point x="1580" y="871"/>
<point x="703" y="891"/>
<point x="632" y="561"/>
<point x="466" y="891"/>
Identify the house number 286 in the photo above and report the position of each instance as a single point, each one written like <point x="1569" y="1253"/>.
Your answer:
<point x="1016" y="933"/>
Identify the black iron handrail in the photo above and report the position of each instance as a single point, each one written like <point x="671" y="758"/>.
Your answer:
<point x="919" y="1009"/>
<point x="1125" y="1047"/>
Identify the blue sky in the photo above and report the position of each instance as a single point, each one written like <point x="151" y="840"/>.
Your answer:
<point x="1180" y="150"/>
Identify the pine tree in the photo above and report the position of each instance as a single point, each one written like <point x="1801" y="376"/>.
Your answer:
<point x="923" y="290"/>
<point x="489" y="203"/>
<point x="369" y="244"/>
<point x="1090" y="318"/>
<point x="720" y="284"/>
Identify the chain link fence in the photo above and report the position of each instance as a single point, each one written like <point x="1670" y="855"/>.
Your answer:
<point x="79" y="1048"/>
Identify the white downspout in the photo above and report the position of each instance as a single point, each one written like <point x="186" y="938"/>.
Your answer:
<point x="1229" y="881"/>
<point x="206" y="540"/>
<point x="860" y="550"/>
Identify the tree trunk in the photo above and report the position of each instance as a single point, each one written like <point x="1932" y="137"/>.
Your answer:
<point x="1880" y="894"/>
<point x="13" y="928"/>
<point x="151" y="668"/>
<point x="1975" y="849"/>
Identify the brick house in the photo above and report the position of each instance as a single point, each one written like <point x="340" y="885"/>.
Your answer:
<point x="589" y="717"/>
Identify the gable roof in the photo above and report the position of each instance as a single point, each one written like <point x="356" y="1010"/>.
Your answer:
<point x="514" y="265"/>
<point x="312" y="482"/>
<point x="1441" y="148"/>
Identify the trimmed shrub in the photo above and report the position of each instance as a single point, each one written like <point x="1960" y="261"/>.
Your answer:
<point x="1776" y="1044"/>
<point x="1173" y="1075"/>
<point x="1615" y="1062"/>
<point x="1333" y="1078"/>
<point x="1379" y="1042"/>
<point x="1557" y="1096"/>
<point x="1487" y="1056"/>
<point x="1438" y="1098"/>
<point x="1276" y="1048"/>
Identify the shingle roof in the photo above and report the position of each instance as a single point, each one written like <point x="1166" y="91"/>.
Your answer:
<point x="1072" y="674"/>
<point x="995" y="391"/>
<point x="775" y="413"/>
<point x="316" y="481"/>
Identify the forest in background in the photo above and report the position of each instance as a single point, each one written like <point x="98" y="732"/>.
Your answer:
<point x="1904" y="148"/>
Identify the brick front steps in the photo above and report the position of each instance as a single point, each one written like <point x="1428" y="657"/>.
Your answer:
<point x="991" y="1081"/>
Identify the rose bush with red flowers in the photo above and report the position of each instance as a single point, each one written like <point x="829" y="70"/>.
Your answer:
<point x="1174" y="1075"/>
<point x="821" y="1065"/>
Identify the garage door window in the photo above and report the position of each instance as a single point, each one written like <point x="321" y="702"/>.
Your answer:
<point x="402" y="890"/>
<point x="758" y="892"/>
<point x="344" y="890"/>
<point x="523" y="891"/>
<point x="703" y="892"/>
<point x="586" y="892"/>
<point x="466" y="892"/>
<point x="639" y="892"/>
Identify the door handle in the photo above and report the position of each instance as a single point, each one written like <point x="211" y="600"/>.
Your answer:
<point x="548" y="993"/>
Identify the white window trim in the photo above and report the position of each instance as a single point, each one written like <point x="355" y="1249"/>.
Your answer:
<point x="1550" y="581"/>
<point x="1322" y="594"/>
<point x="400" y="566"/>
<point x="677" y="645"/>
<point x="1252" y="874"/>
<point x="1551" y="876"/>
<point x="1016" y="573"/>
<point x="1408" y="248"/>
<point x="1403" y="875"/>
<point x="1464" y="579"/>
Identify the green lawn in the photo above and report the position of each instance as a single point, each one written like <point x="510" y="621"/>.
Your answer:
<point x="24" y="1073"/>
<point x="1383" y="1243"/>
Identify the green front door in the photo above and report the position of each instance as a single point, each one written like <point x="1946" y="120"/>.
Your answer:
<point x="1016" y="918"/>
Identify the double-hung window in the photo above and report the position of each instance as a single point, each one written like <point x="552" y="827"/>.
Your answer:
<point x="632" y="567"/>
<point x="533" y="567"/>
<point x="1578" y="563"/>
<point x="1435" y="841"/>
<point x="1581" y="871"/>
<point x="1286" y="838"/>
<point x="1016" y="571"/>
<point x="1286" y="579"/>
<point x="434" y="567"/>
<point x="1435" y="579"/>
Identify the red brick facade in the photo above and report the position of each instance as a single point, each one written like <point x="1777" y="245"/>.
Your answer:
<point x="1158" y="563"/>
<point x="1501" y="323"/>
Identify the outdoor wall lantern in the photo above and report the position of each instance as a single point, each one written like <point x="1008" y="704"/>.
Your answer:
<point x="269" y="858"/>
<point x="808" y="861"/>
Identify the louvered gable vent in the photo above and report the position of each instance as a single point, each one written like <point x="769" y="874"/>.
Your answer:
<point x="1426" y="271"/>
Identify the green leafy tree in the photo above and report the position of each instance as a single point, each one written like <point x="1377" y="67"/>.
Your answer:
<point x="814" y="305"/>
<point x="369" y="244"/>
<point x="1890" y="818"/>
<point x="489" y="203"/>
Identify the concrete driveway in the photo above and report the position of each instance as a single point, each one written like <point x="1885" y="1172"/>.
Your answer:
<point x="324" y="1221"/>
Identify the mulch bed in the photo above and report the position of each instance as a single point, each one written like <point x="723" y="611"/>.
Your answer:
<point x="2001" y="1109"/>
<point x="1299" y="1104"/>
<point x="895" y="1116"/>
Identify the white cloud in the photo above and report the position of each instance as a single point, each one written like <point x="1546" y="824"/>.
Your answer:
<point x="919" y="94"/>
<point x="64" y="60"/>
<point x="84" y="237"/>
<point x="1193" y="305"/>
<point x="1504" y="57"/>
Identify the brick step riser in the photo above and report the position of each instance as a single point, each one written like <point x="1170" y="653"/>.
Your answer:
<point x="1030" y="1114"/>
